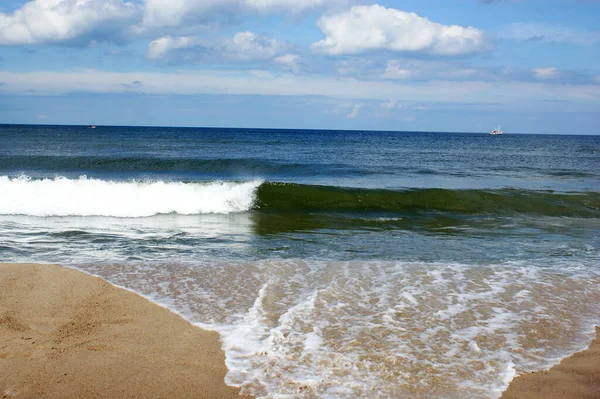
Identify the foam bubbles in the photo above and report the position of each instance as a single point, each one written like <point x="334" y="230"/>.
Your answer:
<point x="93" y="197"/>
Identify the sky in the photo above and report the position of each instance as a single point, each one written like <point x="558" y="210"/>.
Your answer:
<point x="532" y="66"/>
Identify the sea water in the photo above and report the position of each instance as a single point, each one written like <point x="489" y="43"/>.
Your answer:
<point x="334" y="264"/>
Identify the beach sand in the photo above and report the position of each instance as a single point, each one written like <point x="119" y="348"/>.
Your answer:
<point x="65" y="334"/>
<point x="576" y="377"/>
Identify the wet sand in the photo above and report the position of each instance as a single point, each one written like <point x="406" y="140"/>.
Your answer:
<point x="65" y="334"/>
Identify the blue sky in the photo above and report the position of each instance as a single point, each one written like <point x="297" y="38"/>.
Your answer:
<point x="435" y="65"/>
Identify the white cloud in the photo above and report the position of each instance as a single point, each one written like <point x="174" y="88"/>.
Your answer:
<point x="171" y="13"/>
<point x="552" y="34"/>
<point x="264" y="83"/>
<point x="84" y="21"/>
<point x="289" y="61"/>
<point x="243" y="47"/>
<point x="557" y="76"/>
<point x="248" y="46"/>
<point x="54" y="21"/>
<point x="545" y="73"/>
<point x="421" y="70"/>
<point x="395" y="105"/>
<point x="394" y="70"/>
<point x="390" y="104"/>
<point x="294" y="6"/>
<point x="369" y="28"/>
<point x="413" y="70"/>
<point x="166" y="46"/>
<point x="161" y="13"/>
<point x="354" y="112"/>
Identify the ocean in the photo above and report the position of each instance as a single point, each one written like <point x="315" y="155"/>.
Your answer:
<point x="334" y="264"/>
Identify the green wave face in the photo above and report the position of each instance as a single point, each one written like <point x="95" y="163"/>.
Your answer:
<point x="289" y="197"/>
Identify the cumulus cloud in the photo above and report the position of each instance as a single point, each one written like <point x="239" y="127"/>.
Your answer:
<point x="84" y="21"/>
<point x="552" y="34"/>
<point x="249" y="46"/>
<point x="180" y="48"/>
<point x="395" y="70"/>
<point x="54" y="21"/>
<point x="289" y="61"/>
<point x="243" y="47"/>
<point x="160" y="13"/>
<point x="368" y="28"/>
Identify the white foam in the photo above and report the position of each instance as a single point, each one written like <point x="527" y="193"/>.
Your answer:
<point x="397" y="329"/>
<point x="93" y="197"/>
<point x="410" y="298"/>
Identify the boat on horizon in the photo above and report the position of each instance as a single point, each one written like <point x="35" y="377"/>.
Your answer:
<point x="91" y="126"/>
<point x="497" y="131"/>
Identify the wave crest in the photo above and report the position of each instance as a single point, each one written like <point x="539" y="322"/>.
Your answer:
<point x="93" y="197"/>
<point x="298" y="197"/>
<point x="62" y="196"/>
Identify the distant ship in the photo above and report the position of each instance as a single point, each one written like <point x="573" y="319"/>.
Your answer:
<point x="496" y="131"/>
<point x="91" y="126"/>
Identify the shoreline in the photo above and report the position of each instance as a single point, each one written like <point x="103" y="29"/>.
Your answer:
<point x="65" y="333"/>
<point x="575" y="377"/>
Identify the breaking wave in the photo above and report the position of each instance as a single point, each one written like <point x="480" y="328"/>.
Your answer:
<point x="93" y="197"/>
<point x="62" y="196"/>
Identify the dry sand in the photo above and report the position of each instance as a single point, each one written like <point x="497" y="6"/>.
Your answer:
<point x="576" y="377"/>
<point x="65" y="334"/>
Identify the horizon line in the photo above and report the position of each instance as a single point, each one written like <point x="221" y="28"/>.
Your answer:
<point x="291" y="129"/>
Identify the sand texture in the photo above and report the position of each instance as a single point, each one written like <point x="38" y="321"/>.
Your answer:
<point x="576" y="377"/>
<point x="64" y="334"/>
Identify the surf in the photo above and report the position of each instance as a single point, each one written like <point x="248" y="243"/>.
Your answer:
<point x="61" y="196"/>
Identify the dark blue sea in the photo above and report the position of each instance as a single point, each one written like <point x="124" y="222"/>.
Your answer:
<point x="334" y="264"/>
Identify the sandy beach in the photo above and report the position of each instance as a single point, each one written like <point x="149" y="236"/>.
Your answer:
<point x="576" y="377"/>
<point x="65" y="334"/>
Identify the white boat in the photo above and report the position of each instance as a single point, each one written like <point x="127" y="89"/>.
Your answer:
<point x="496" y="131"/>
